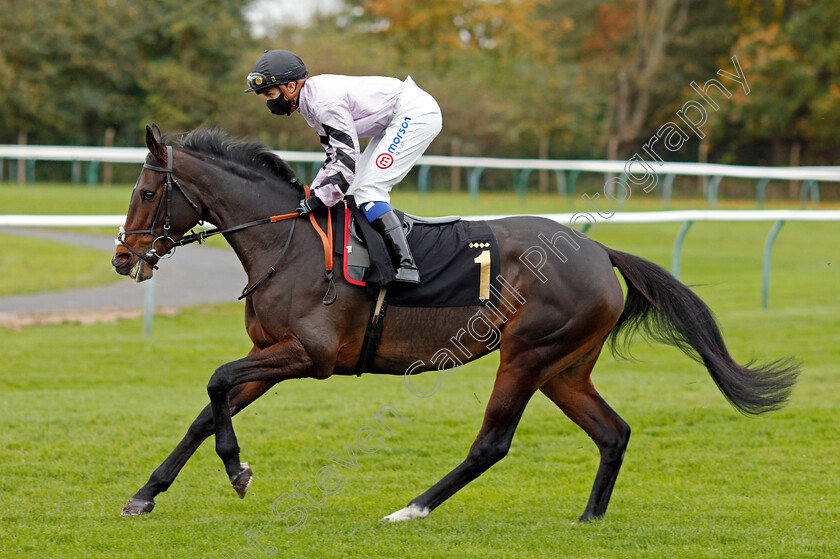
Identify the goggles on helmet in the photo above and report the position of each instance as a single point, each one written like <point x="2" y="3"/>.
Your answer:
<point x="259" y="81"/>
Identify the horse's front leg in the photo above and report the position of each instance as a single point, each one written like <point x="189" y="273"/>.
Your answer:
<point x="144" y="500"/>
<point x="284" y="360"/>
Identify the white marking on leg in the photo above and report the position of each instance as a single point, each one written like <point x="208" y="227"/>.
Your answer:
<point x="408" y="513"/>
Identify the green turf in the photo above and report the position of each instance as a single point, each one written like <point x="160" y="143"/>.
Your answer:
<point x="58" y="266"/>
<point x="63" y="199"/>
<point x="90" y="411"/>
<point x="35" y="265"/>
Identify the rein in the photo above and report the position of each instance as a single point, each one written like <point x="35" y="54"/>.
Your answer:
<point x="201" y="236"/>
<point x="326" y="240"/>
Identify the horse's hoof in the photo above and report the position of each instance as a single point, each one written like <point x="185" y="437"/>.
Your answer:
<point x="408" y="513"/>
<point x="136" y="507"/>
<point x="242" y="480"/>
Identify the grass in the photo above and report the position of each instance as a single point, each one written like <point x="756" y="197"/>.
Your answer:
<point x="34" y="266"/>
<point x="63" y="199"/>
<point x="90" y="411"/>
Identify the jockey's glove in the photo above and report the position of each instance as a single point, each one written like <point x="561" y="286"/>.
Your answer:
<point x="309" y="205"/>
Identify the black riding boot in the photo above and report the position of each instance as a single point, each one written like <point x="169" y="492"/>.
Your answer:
<point x="391" y="229"/>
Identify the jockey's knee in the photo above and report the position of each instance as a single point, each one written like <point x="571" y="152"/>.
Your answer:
<point x="373" y="210"/>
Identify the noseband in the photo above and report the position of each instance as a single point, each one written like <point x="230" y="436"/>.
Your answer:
<point x="165" y="207"/>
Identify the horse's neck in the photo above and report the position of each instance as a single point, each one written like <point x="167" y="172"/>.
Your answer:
<point x="232" y="202"/>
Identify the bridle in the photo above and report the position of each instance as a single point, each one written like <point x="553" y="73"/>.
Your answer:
<point x="165" y="207"/>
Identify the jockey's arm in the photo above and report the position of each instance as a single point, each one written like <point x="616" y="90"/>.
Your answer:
<point x="341" y="142"/>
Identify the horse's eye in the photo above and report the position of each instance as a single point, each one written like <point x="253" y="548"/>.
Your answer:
<point x="148" y="194"/>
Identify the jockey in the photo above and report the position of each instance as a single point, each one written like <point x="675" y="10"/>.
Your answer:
<point x="400" y="118"/>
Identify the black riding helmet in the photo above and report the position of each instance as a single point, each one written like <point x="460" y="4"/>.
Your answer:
<point x="275" y="67"/>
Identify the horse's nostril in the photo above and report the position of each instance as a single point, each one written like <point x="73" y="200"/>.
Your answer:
<point x="120" y="259"/>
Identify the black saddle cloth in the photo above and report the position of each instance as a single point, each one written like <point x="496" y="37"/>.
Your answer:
<point x="458" y="262"/>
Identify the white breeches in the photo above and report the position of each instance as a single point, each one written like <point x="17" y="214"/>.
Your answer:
<point x="390" y="156"/>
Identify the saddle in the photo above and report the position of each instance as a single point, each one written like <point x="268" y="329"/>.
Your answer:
<point x="357" y="261"/>
<point x="458" y="260"/>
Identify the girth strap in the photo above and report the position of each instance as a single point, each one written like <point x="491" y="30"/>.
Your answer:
<point x="373" y="332"/>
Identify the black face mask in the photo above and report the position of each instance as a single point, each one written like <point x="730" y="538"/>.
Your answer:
<point x="281" y="106"/>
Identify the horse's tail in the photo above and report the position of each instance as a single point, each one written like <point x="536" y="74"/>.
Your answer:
<point x="667" y="311"/>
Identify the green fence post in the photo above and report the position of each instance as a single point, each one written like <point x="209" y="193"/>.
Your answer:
<point x="2" y="169"/>
<point x="675" y="256"/>
<point x="561" y="182"/>
<point x="149" y="306"/>
<point x="811" y="187"/>
<point x="514" y="180"/>
<point x="93" y="173"/>
<point x="713" y="185"/>
<point x="423" y="180"/>
<point x="765" y="267"/>
<point x="563" y="186"/>
<point x="803" y="193"/>
<point x="75" y="171"/>
<point x="522" y="183"/>
<point x="668" y="189"/>
<point x="759" y="192"/>
<point x="300" y="171"/>
<point x="473" y="180"/>
<point x="571" y="184"/>
<point x="30" y="171"/>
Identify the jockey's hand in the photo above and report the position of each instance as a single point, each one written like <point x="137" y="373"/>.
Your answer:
<point x="309" y="205"/>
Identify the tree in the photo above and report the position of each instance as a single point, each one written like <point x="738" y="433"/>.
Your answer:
<point x="790" y="53"/>
<point x="629" y="47"/>
<point x="496" y="67"/>
<point x="192" y="55"/>
<point x="56" y="81"/>
<point x="71" y="70"/>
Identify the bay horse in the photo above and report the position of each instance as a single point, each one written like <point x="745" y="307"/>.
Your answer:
<point x="550" y="336"/>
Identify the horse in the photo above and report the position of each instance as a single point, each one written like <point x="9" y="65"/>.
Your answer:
<point x="550" y="334"/>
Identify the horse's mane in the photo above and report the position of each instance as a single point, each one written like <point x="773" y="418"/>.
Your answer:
<point x="246" y="157"/>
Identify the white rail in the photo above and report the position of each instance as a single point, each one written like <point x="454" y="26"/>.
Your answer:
<point x="138" y="155"/>
<point x="111" y="155"/>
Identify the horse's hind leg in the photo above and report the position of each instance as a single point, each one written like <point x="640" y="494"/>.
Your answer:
<point x="511" y="393"/>
<point x="144" y="500"/>
<point x="573" y="393"/>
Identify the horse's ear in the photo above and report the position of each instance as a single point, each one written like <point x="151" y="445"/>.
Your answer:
<point x="155" y="144"/>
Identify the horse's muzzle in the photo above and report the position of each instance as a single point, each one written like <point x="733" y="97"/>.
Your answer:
<point x="122" y="262"/>
<point x="127" y="264"/>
